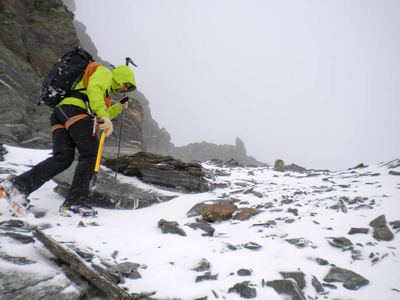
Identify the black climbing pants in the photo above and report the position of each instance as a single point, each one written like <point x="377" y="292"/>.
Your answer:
<point x="72" y="129"/>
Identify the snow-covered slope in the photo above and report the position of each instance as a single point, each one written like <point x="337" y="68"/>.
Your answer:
<point x="299" y="215"/>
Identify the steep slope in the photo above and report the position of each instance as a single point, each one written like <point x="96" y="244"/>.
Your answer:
<point x="314" y="235"/>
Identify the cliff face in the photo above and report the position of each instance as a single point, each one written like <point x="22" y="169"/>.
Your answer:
<point x="34" y="35"/>
<point x="206" y="151"/>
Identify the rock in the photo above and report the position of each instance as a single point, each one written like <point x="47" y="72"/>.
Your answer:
<point x="298" y="242"/>
<point x="321" y="261"/>
<point x="126" y="269"/>
<point x="359" y="166"/>
<point x="287" y="287"/>
<point x="279" y="165"/>
<point x="206" y="276"/>
<point x="244" y="290"/>
<point x="245" y="214"/>
<point x="3" y="152"/>
<point x="297" y="276"/>
<point x="207" y="151"/>
<point x="350" y="279"/>
<point x="22" y="238"/>
<point x="356" y="255"/>
<point x="267" y="224"/>
<point x="218" y="212"/>
<point x="163" y="171"/>
<point x="195" y="210"/>
<point x="170" y="227"/>
<point x="317" y="285"/>
<point x="27" y="55"/>
<point x="19" y="284"/>
<point x="298" y="169"/>
<point x="358" y="230"/>
<point x="111" y="193"/>
<point x="244" y="272"/>
<point x="203" y="225"/>
<point x="395" y="224"/>
<point x="381" y="231"/>
<point x="203" y="266"/>
<point x="394" y="173"/>
<point x="252" y="246"/>
<point x="18" y="260"/>
<point x="341" y="242"/>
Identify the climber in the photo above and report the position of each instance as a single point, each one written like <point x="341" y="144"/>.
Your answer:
<point x="73" y="128"/>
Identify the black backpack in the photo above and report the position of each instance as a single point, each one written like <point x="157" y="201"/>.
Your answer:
<point x="64" y="76"/>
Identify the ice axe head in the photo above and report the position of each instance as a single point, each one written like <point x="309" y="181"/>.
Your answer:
<point x="128" y="61"/>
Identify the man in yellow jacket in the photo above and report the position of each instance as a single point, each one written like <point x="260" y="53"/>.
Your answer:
<point x="73" y="128"/>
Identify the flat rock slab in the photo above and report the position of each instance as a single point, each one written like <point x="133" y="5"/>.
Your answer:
<point x="23" y="285"/>
<point x="287" y="287"/>
<point x="113" y="194"/>
<point x="163" y="171"/>
<point x="350" y="279"/>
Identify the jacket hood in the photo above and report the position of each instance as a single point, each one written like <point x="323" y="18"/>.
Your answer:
<point x="120" y="75"/>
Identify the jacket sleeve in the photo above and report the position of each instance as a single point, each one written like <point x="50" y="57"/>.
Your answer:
<point x="113" y="111"/>
<point x="99" y="82"/>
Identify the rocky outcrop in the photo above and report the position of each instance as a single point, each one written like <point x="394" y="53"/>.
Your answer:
<point x="207" y="151"/>
<point x="280" y="166"/>
<point x="163" y="171"/>
<point x="113" y="194"/>
<point x="34" y="35"/>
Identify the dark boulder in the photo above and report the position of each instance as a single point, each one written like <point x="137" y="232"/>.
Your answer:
<point x="381" y="230"/>
<point x="297" y="276"/>
<point x="163" y="171"/>
<point x="287" y="287"/>
<point x="111" y="193"/>
<point x="170" y="227"/>
<point x="218" y="212"/>
<point x="350" y="279"/>
<point x="244" y="290"/>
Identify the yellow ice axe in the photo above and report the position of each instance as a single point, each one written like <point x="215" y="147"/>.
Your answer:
<point x="97" y="166"/>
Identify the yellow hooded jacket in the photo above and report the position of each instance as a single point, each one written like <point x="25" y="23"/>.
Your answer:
<point x="102" y="82"/>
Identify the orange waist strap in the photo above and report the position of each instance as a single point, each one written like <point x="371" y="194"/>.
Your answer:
<point x="69" y="122"/>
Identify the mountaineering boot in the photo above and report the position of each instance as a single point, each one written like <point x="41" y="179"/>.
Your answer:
<point x="17" y="202"/>
<point x="83" y="210"/>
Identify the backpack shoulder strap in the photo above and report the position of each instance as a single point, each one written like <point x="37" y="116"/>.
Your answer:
<point x="90" y="69"/>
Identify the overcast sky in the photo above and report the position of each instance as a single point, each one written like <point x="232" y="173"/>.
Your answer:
<point x="315" y="83"/>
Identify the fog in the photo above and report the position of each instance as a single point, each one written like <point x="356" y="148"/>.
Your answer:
<point x="313" y="83"/>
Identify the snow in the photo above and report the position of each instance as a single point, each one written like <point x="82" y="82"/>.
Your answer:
<point x="167" y="260"/>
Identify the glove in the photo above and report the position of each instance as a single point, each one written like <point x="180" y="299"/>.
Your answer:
<point x="106" y="124"/>
<point x="123" y="103"/>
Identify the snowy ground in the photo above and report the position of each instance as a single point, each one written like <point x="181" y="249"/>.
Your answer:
<point x="167" y="260"/>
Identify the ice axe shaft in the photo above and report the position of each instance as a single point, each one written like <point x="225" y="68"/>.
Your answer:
<point x="99" y="152"/>
<point x="123" y="100"/>
<point x="128" y="61"/>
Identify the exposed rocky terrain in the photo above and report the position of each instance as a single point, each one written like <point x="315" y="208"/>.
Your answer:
<point x="257" y="234"/>
<point x="176" y="229"/>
